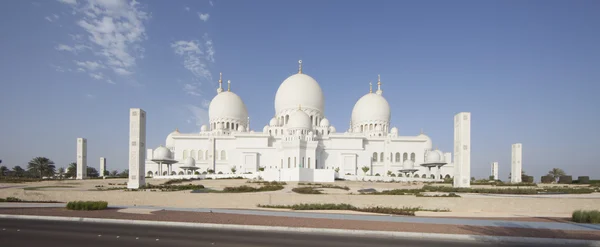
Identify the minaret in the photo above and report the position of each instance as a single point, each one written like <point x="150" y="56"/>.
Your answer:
<point x="228" y="85"/>
<point x="220" y="89"/>
<point x="379" y="85"/>
<point x="299" y="66"/>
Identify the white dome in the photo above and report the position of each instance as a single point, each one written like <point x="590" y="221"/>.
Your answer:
<point x="299" y="120"/>
<point x="324" y="123"/>
<point x="434" y="156"/>
<point x="266" y="129"/>
<point x="169" y="141"/>
<point x="189" y="161"/>
<point x="394" y="131"/>
<point x="371" y="108"/>
<point x="427" y="141"/>
<point x="299" y="90"/>
<point x="408" y="164"/>
<point x="273" y="122"/>
<point x="331" y="129"/>
<point x="227" y="105"/>
<point x="241" y="128"/>
<point x="161" y="153"/>
<point x="203" y="128"/>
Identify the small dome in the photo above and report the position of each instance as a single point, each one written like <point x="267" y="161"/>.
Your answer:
<point x="299" y="89"/>
<point x="408" y="164"/>
<point x="203" y="128"/>
<point x="169" y="141"/>
<point x="331" y="129"/>
<point x="241" y="128"/>
<point x="273" y="122"/>
<point x="161" y="153"/>
<point x="427" y="141"/>
<point x="227" y="105"/>
<point x="434" y="156"/>
<point x="266" y="129"/>
<point x="394" y="131"/>
<point x="324" y="123"/>
<point x="299" y="120"/>
<point x="189" y="161"/>
<point x="371" y="108"/>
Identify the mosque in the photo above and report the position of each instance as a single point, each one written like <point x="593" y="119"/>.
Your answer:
<point x="299" y="137"/>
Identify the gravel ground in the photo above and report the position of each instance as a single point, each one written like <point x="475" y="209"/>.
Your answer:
<point x="219" y="218"/>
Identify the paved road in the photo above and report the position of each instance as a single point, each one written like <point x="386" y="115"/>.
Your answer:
<point x="53" y="233"/>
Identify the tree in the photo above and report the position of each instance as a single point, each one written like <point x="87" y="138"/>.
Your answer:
<point x="61" y="172"/>
<point x="92" y="172"/>
<point x="106" y="173"/>
<point x="3" y="171"/>
<point x="555" y="173"/>
<point x="389" y="173"/>
<point x="42" y="166"/>
<point x="262" y="168"/>
<point x="365" y="169"/>
<point x="18" y="171"/>
<point x="114" y="173"/>
<point x="124" y="174"/>
<point x="71" y="170"/>
<point x="233" y="170"/>
<point x="491" y="178"/>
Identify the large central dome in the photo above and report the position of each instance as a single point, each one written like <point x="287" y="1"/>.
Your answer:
<point x="299" y="90"/>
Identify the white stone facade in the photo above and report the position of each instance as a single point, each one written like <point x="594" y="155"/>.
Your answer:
<point x="494" y="172"/>
<point x="300" y="137"/>
<point x="462" y="150"/>
<point x="102" y="166"/>
<point x="516" y="165"/>
<point x="137" y="142"/>
<point x="81" y="158"/>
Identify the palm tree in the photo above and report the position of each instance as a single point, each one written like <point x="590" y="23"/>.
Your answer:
<point x="3" y="171"/>
<point x="555" y="173"/>
<point x="18" y="171"/>
<point x="41" y="165"/>
<point x="61" y="172"/>
<point x="365" y="169"/>
<point x="71" y="170"/>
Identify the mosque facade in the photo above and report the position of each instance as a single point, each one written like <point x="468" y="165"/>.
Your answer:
<point x="299" y="136"/>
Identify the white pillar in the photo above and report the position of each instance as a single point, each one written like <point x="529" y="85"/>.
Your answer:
<point x="462" y="150"/>
<point x="102" y="166"/>
<point x="495" y="170"/>
<point x="516" y="164"/>
<point x="438" y="172"/>
<point x="81" y="158"/>
<point x="137" y="143"/>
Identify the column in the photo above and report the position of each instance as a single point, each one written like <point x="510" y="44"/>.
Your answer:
<point x="137" y="143"/>
<point x="462" y="150"/>
<point x="516" y="165"/>
<point x="81" y="158"/>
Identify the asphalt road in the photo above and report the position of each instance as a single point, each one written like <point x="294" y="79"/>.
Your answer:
<point x="79" y="234"/>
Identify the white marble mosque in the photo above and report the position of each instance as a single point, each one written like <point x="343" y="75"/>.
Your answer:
<point x="299" y="139"/>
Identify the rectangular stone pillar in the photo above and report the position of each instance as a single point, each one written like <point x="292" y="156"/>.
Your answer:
<point x="81" y="158"/>
<point x="102" y="166"/>
<point x="494" y="172"/>
<point x="462" y="150"/>
<point x="137" y="148"/>
<point x="516" y="164"/>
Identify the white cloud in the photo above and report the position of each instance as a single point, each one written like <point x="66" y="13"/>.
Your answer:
<point x="200" y="115"/>
<point x="210" y="50"/>
<point x="191" y="89"/>
<point x="193" y="58"/>
<point x="110" y="81"/>
<point x="74" y="49"/>
<point x="187" y="8"/>
<point x="90" y="96"/>
<point x="211" y="3"/>
<point x="205" y="103"/>
<point x="113" y="30"/>
<point x="90" y="65"/>
<point x="52" y="18"/>
<point x="203" y="17"/>
<point x="71" y="2"/>
<point x="97" y="76"/>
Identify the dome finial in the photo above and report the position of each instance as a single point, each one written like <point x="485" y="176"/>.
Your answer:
<point x="379" y="84"/>
<point x="177" y="130"/>
<point x="370" y="87"/>
<point x="299" y="66"/>
<point x="220" y="89"/>
<point x="228" y="85"/>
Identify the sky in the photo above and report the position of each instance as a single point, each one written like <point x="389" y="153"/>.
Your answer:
<point x="528" y="71"/>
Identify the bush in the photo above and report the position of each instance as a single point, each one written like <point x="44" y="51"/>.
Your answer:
<point x="527" y="179"/>
<point x="87" y="205"/>
<point x="343" y="206"/>
<point x="307" y="190"/>
<point x="245" y="188"/>
<point x="451" y="194"/>
<point x="220" y="173"/>
<point x="585" y="216"/>
<point x="170" y="187"/>
<point x="547" y="179"/>
<point x="393" y="175"/>
<point x="377" y="175"/>
<point x="565" y="180"/>
<point x="584" y="179"/>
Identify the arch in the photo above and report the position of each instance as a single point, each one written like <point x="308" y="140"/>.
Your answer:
<point x="447" y="176"/>
<point x="173" y="173"/>
<point x="381" y="157"/>
<point x="186" y="153"/>
<point x="165" y="173"/>
<point x="289" y="162"/>
<point x="374" y="156"/>
<point x="295" y="161"/>
<point x="270" y="133"/>
<point x="200" y="155"/>
<point x="206" y="154"/>
<point x="227" y="125"/>
<point x="303" y="165"/>
<point x="412" y="156"/>
<point x="313" y="120"/>
<point x="397" y="156"/>
<point x="180" y="173"/>
<point x="423" y="176"/>
<point x="287" y="118"/>
<point x="149" y="174"/>
<point x="370" y="126"/>
<point x="362" y="128"/>
<point x="432" y="176"/>
<point x="223" y="155"/>
<point x="193" y="154"/>
<point x="156" y="173"/>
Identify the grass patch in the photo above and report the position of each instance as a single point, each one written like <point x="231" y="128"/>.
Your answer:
<point x="511" y="191"/>
<point x="87" y="205"/>
<point x="586" y="216"/>
<point x="14" y="199"/>
<point x="47" y="187"/>
<point x="245" y="189"/>
<point x="170" y="187"/>
<point x="266" y="182"/>
<point x="307" y="190"/>
<point x="343" y="206"/>
<point x="179" y="181"/>
<point x="451" y="194"/>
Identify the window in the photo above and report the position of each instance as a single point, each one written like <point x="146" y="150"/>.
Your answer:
<point x="200" y="155"/>
<point x="397" y="157"/>
<point x="405" y="157"/>
<point x="381" y="157"/>
<point x="374" y="157"/>
<point x="295" y="162"/>
<point x="412" y="156"/>
<point x="193" y="154"/>
<point x="308" y="162"/>
<point x="281" y="163"/>
<point x="185" y="154"/>
<point x="289" y="165"/>
<point x="223" y="155"/>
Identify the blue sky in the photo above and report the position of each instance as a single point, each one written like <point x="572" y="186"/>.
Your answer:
<point x="528" y="71"/>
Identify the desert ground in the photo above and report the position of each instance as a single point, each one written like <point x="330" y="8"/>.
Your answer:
<point x="471" y="205"/>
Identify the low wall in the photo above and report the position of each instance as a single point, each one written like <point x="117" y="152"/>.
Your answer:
<point x="299" y="175"/>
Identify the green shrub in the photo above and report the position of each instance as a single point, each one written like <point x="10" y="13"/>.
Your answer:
<point x="170" y="187"/>
<point x="547" y="179"/>
<point x="451" y="194"/>
<point x="87" y="205"/>
<point x="527" y="179"/>
<point x="307" y="190"/>
<point x="586" y="216"/>
<point x="245" y="188"/>
<point x="584" y="179"/>
<point x="343" y="206"/>
<point x="565" y="180"/>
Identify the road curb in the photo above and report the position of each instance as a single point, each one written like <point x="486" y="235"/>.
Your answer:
<point x="366" y="233"/>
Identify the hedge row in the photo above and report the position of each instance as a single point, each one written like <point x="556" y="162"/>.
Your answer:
<point x="581" y="216"/>
<point x="87" y="205"/>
